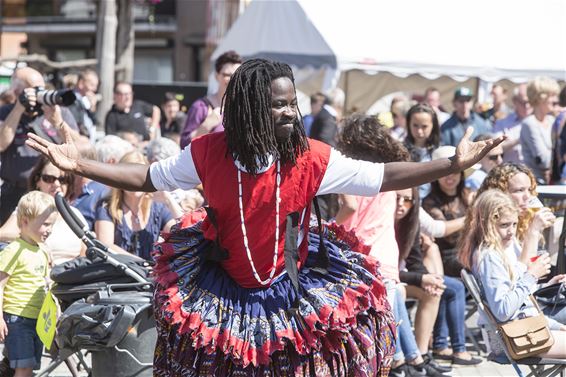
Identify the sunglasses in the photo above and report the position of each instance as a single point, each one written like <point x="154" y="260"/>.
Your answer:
<point x="495" y="157"/>
<point x="407" y="200"/>
<point x="48" y="178"/>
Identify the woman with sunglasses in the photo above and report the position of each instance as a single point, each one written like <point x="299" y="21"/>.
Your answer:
<point x="130" y="221"/>
<point x="491" y="160"/>
<point x="62" y="244"/>
<point x="536" y="129"/>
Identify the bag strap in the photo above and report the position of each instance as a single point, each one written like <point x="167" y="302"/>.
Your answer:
<point x="216" y="252"/>
<point x="322" y="261"/>
<point x="291" y="253"/>
<point x="534" y="300"/>
<point x="561" y="260"/>
<point x="123" y="321"/>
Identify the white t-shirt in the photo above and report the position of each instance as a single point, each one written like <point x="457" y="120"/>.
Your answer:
<point x="342" y="176"/>
<point x="62" y="243"/>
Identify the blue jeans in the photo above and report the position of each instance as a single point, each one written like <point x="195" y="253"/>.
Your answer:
<point x="406" y="343"/>
<point x="23" y="344"/>
<point x="557" y="313"/>
<point x="451" y="317"/>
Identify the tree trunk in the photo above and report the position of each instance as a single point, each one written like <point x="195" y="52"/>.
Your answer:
<point x="125" y="42"/>
<point x="106" y="54"/>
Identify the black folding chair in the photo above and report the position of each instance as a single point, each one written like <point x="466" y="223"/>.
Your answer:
<point x="539" y="367"/>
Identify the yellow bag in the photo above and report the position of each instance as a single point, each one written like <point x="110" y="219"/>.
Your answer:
<point x="47" y="320"/>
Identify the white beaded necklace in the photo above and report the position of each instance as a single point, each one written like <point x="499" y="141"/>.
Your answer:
<point x="246" y="244"/>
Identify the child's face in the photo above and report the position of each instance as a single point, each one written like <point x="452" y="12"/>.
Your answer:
<point x="506" y="227"/>
<point x="37" y="230"/>
<point x="421" y="127"/>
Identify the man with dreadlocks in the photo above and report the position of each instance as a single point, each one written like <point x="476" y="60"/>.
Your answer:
<point x="254" y="289"/>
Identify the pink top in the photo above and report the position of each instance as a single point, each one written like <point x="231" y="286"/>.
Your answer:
<point x="374" y="223"/>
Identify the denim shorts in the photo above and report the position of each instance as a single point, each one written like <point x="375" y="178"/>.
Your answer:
<point x="23" y="344"/>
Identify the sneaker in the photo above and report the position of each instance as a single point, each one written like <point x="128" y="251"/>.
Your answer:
<point x="460" y="361"/>
<point x="441" y="368"/>
<point x="428" y="370"/>
<point x="398" y="371"/>
<point x="407" y="370"/>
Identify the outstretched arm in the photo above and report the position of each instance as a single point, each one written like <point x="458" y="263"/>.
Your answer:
<point x="401" y="175"/>
<point x="131" y="177"/>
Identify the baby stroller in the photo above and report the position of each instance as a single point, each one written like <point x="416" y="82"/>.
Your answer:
<point x="106" y="303"/>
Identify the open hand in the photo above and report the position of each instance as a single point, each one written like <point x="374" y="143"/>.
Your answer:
<point x="469" y="153"/>
<point x="65" y="156"/>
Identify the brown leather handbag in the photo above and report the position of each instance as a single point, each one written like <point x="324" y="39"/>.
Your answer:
<point x="527" y="337"/>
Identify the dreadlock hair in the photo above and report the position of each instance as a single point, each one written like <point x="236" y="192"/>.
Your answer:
<point x="248" y="122"/>
<point x="364" y="138"/>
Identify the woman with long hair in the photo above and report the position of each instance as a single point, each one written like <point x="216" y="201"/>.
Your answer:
<point x="517" y="181"/>
<point x="423" y="136"/>
<point x="130" y="221"/>
<point x="62" y="243"/>
<point x="506" y="274"/>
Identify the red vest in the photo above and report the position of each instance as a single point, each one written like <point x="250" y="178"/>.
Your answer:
<point x="218" y="174"/>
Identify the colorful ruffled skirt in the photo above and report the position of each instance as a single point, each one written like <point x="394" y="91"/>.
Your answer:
<point x="208" y="325"/>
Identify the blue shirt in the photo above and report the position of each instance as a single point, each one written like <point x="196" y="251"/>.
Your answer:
<point x="141" y="242"/>
<point x="454" y="128"/>
<point x="506" y="299"/>
<point x="87" y="202"/>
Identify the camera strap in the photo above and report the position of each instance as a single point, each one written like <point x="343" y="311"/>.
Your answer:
<point x="36" y="126"/>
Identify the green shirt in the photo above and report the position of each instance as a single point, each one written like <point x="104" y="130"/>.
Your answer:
<point x="27" y="266"/>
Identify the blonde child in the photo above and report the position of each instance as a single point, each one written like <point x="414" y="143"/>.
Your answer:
<point x="506" y="274"/>
<point x="24" y="267"/>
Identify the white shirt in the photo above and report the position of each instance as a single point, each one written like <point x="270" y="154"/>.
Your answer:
<point x="343" y="175"/>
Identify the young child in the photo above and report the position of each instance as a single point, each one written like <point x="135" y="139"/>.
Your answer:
<point x="24" y="269"/>
<point x="506" y="274"/>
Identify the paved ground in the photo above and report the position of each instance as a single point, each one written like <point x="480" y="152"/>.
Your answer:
<point x="485" y="369"/>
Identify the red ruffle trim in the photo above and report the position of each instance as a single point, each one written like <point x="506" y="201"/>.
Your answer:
<point x="322" y="331"/>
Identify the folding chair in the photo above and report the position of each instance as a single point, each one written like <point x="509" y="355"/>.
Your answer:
<point x="539" y="367"/>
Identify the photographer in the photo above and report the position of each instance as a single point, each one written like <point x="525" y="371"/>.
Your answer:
<point x="16" y="120"/>
<point x="84" y="107"/>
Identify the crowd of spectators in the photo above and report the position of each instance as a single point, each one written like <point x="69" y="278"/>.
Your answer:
<point x="415" y="234"/>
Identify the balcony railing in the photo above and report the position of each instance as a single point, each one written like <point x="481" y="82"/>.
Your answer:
<point x="18" y="12"/>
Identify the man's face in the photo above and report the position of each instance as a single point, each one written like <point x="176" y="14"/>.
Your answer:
<point x="316" y="106"/>
<point x="89" y="85"/>
<point x="283" y="107"/>
<point x="171" y="108"/>
<point x="492" y="159"/>
<point x="223" y="77"/>
<point x="463" y="107"/>
<point x="433" y="99"/>
<point x="521" y="104"/>
<point x="123" y="97"/>
<point x="498" y="94"/>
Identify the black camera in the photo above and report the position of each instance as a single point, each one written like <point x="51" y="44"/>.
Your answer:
<point x="64" y="97"/>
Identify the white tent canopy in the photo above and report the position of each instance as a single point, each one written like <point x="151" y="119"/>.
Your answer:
<point x="483" y="39"/>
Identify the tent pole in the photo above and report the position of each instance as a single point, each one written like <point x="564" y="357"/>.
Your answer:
<point x="346" y="92"/>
